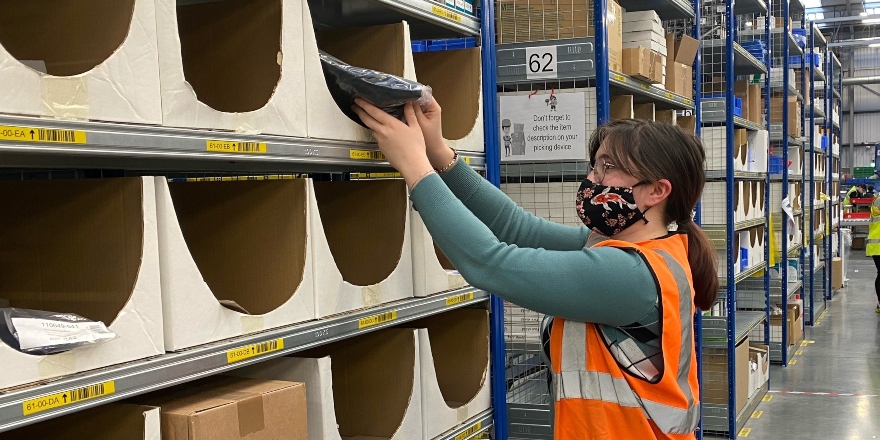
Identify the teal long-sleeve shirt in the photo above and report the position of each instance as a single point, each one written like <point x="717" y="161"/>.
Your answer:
<point x="541" y="265"/>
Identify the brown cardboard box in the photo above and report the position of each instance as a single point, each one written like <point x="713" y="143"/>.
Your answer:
<point x="837" y="273"/>
<point x="794" y="113"/>
<point x="715" y="377"/>
<point x="679" y="79"/>
<point x="231" y="408"/>
<point x="644" y="111"/>
<point x="795" y="321"/>
<point x="129" y="422"/>
<point x="683" y="51"/>
<point x="644" y="64"/>
<point x="666" y="116"/>
<point x="756" y="107"/>
<point x="741" y="91"/>
<point x="687" y="123"/>
<point x="780" y="23"/>
<point x="622" y="107"/>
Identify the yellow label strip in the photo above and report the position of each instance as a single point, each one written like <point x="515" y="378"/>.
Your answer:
<point x="467" y="160"/>
<point x="437" y="10"/>
<point x="374" y="320"/>
<point x="473" y="429"/>
<point x="757" y="414"/>
<point x="767" y="398"/>
<point x="366" y="155"/>
<point x="33" y="134"/>
<point x="619" y="77"/>
<point x="68" y="397"/>
<point x="248" y="351"/>
<point x="670" y="95"/>
<point x="745" y="432"/>
<point x="236" y="147"/>
<point x="458" y="299"/>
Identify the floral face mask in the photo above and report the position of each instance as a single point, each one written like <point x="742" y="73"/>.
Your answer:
<point x="607" y="209"/>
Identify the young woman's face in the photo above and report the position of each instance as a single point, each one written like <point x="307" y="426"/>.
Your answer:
<point x="606" y="172"/>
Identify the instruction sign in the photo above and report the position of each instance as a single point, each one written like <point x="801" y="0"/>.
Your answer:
<point x="543" y="126"/>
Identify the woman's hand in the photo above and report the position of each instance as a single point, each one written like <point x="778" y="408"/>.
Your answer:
<point x="432" y="128"/>
<point x="402" y="144"/>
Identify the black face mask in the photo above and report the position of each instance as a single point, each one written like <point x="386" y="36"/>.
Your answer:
<point x="607" y="209"/>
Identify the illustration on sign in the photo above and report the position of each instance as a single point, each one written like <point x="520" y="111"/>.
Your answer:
<point x="543" y="126"/>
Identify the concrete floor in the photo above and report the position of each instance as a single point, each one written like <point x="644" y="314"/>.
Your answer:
<point x="833" y="391"/>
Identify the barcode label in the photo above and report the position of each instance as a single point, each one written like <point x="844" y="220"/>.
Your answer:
<point x="253" y="350"/>
<point x="366" y="155"/>
<point x="473" y="429"/>
<point x="68" y="397"/>
<point x="51" y="135"/>
<point x="458" y="299"/>
<point x="377" y="319"/>
<point x="437" y="10"/>
<point x="236" y="147"/>
<point x="619" y="77"/>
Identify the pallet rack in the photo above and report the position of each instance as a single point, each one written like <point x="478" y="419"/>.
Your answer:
<point x="135" y="149"/>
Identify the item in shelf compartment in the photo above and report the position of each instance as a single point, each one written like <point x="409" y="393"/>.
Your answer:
<point x="223" y="407"/>
<point x="644" y="111"/>
<point x="246" y="243"/>
<point x="388" y="92"/>
<point x="714" y="202"/>
<point x="39" y="332"/>
<point x="716" y="379"/>
<point x="364" y="387"/>
<point x="795" y="322"/>
<point x="759" y="366"/>
<point x="87" y="247"/>
<point x="716" y="146"/>
<point x="666" y="116"/>
<point x="385" y="48"/>
<point x="759" y="144"/>
<point x="362" y="250"/>
<point x="454" y="362"/>
<point x="622" y="107"/>
<point x="456" y="79"/>
<point x="129" y="422"/>
<point x="644" y="64"/>
<point x="687" y="123"/>
<point x="756" y="245"/>
<point x="96" y="60"/>
<point x="432" y="271"/>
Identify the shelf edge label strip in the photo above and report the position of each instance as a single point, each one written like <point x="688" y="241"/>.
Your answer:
<point x="375" y="320"/>
<point x="69" y="397"/>
<point x="216" y="146"/>
<point x="458" y="299"/>
<point x="473" y="429"/>
<point x="253" y="350"/>
<point x="48" y="135"/>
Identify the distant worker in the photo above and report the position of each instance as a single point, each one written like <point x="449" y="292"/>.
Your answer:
<point x="855" y="192"/>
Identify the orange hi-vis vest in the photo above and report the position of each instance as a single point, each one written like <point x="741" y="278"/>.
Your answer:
<point x="600" y="397"/>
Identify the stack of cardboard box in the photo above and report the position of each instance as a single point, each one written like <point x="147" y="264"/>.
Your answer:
<point x="679" y="68"/>
<point x="794" y="113"/>
<point x="644" y="47"/>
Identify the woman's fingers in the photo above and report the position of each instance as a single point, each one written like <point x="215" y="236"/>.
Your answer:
<point x="366" y="118"/>
<point x="409" y="112"/>
<point x="377" y="113"/>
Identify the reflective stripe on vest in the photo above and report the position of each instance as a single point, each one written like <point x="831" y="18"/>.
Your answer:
<point x="574" y="381"/>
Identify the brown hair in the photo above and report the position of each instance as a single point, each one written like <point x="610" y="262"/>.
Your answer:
<point x="651" y="151"/>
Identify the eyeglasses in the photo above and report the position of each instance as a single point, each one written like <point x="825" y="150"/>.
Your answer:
<point x="601" y="169"/>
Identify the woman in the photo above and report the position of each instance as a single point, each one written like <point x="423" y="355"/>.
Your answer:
<point x="622" y="288"/>
<point x="872" y="248"/>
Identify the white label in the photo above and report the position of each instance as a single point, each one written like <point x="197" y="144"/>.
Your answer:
<point x="543" y="126"/>
<point x="541" y="62"/>
<point x="459" y="4"/>
<point x="37" y="333"/>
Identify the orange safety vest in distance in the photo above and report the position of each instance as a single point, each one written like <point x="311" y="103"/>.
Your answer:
<point x="597" y="398"/>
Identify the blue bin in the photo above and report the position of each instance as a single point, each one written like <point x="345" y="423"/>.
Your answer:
<point x="419" y="46"/>
<point x="776" y="165"/>
<point x="743" y="259"/>
<point x="824" y="142"/>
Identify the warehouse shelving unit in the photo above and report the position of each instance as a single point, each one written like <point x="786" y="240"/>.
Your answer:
<point x="742" y="307"/>
<point x="832" y="133"/>
<point x="135" y="149"/>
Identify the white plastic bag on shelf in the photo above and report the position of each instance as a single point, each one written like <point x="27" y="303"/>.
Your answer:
<point x="846" y="237"/>
<point x="42" y="333"/>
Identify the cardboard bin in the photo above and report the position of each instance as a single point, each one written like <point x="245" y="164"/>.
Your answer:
<point x="363" y="255"/>
<point x="432" y="271"/>
<point x="361" y="388"/>
<point x="644" y="64"/>
<point x="622" y="107"/>
<point x="111" y="421"/>
<point x="715" y="377"/>
<point x="454" y="358"/>
<point x="385" y="48"/>
<point x="456" y="79"/>
<point x="80" y="59"/>
<point x="233" y="65"/>
<point x="87" y="247"/>
<point x="232" y="408"/>
<point x="236" y="257"/>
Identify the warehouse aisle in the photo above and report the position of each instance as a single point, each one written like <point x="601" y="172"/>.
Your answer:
<point x="833" y="390"/>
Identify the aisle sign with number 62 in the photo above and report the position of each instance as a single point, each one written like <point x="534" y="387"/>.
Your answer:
<point x="541" y="62"/>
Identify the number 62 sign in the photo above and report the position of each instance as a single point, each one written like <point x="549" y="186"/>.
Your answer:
<point x="541" y="62"/>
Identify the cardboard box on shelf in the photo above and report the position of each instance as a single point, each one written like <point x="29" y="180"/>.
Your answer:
<point x="644" y="64"/>
<point x="715" y="372"/>
<point x="687" y="123"/>
<point x="795" y="322"/>
<point x="759" y="366"/>
<point x="642" y="26"/>
<point x="756" y="107"/>
<point x="682" y="51"/>
<point x="679" y="79"/>
<point x="741" y="90"/>
<point x="80" y="60"/>
<point x="354" y="269"/>
<point x="208" y="296"/>
<point x="622" y="107"/>
<point x="129" y="422"/>
<point x="364" y="387"/>
<point x="454" y="358"/>
<point x="456" y="79"/>
<point x="666" y="116"/>
<point x="644" y="111"/>
<point x="432" y="271"/>
<point x="641" y="16"/>
<point x="232" y="408"/>
<point x="794" y="113"/>
<point x="88" y="247"/>
<point x="837" y="275"/>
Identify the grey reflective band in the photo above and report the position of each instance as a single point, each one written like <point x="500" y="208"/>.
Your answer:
<point x="873" y="241"/>
<point x="593" y="385"/>
<point x="687" y="327"/>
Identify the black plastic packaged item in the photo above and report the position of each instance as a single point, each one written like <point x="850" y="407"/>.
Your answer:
<point x="42" y="333"/>
<point x="386" y="91"/>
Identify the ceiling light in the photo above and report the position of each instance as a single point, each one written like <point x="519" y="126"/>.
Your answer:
<point x="871" y="21"/>
<point x="874" y="45"/>
<point x="863" y="13"/>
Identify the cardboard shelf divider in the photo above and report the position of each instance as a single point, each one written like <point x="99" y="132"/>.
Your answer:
<point x="362" y="247"/>
<point x="456" y="79"/>
<point x="365" y="387"/>
<point x="246" y="243"/>
<point x="129" y="422"/>
<point x="88" y="247"/>
<point x="80" y="59"/>
<point x="432" y="271"/>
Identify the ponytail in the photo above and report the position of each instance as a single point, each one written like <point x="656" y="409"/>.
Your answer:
<point x="701" y="257"/>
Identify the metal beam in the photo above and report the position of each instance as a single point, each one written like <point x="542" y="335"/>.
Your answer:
<point x="861" y="80"/>
<point x="873" y="92"/>
<point x="855" y="43"/>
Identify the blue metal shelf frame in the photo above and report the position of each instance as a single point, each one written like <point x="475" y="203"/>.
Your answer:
<point x="786" y="65"/>
<point x="808" y="270"/>
<point x="803" y="249"/>
<point x="493" y="174"/>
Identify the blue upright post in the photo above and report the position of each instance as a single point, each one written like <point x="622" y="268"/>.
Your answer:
<point x="603" y="90"/>
<point x="829" y="172"/>
<point x="786" y="29"/>
<point x="493" y="174"/>
<point x="767" y="91"/>
<point x="812" y="150"/>
<point x="730" y="78"/>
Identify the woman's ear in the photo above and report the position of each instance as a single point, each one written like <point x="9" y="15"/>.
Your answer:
<point x="657" y="192"/>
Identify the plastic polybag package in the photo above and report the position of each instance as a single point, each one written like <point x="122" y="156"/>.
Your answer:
<point x="42" y="333"/>
<point x="386" y="91"/>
